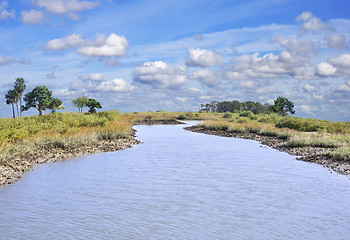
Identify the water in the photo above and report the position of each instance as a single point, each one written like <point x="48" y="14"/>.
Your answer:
<point x="178" y="185"/>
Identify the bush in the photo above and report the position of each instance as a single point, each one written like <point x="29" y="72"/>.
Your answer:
<point x="248" y="114"/>
<point x="227" y="115"/>
<point x="243" y="120"/>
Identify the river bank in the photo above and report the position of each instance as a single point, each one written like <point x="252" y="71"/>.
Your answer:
<point x="308" y="154"/>
<point x="18" y="164"/>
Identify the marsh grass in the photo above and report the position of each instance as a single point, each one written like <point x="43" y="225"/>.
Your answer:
<point x="338" y="142"/>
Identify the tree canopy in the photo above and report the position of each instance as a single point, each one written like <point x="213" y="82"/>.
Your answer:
<point x="80" y="102"/>
<point x="93" y="104"/>
<point x="282" y="106"/>
<point x="41" y="99"/>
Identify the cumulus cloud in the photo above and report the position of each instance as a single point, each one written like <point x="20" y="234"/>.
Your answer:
<point x="32" y="16"/>
<point x="92" y="77"/>
<point x="297" y="47"/>
<point x="335" y="40"/>
<point x="342" y="63"/>
<point x="268" y="66"/>
<point x="6" y="60"/>
<point x="310" y="23"/>
<point x="309" y="88"/>
<point x="158" y="75"/>
<point x="65" y="6"/>
<point x="306" y="109"/>
<point x="206" y="77"/>
<point x="4" y="14"/>
<point x="324" y="69"/>
<point x="202" y="58"/>
<point x="267" y="90"/>
<point x="114" y="45"/>
<point x="344" y="87"/>
<point x="116" y="85"/>
<point x="68" y="42"/>
<point x="247" y="84"/>
<point x="101" y="46"/>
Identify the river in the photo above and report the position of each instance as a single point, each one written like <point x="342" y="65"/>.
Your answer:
<point x="178" y="185"/>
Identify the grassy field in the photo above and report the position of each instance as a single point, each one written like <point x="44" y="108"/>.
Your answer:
<point x="71" y="130"/>
<point x="297" y="132"/>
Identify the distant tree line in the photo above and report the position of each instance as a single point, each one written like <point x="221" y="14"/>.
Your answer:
<point x="281" y="106"/>
<point x="41" y="99"/>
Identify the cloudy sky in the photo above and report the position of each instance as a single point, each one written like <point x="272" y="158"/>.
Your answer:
<point x="136" y="55"/>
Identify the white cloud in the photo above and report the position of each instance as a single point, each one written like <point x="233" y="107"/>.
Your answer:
<point x="32" y="16"/>
<point x="309" y="88"/>
<point x="65" y="6"/>
<point x="6" y="60"/>
<point x="92" y="77"/>
<point x="335" y="40"/>
<point x="306" y="109"/>
<point x="342" y="63"/>
<point x="344" y="87"/>
<point x="267" y="90"/>
<point x="202" y="58"/>
<point x="68" y="42"/>
<point x="325" y="69"/>
<point x="206" y="77"/>
<point x="247" y="84"/>
<point x="268" y="66"/>
<point x="114" y="45"/>
<point x="116" y="85"/>
<point x="318" y="97"/>
<point x="159" y="75"/>
<point x="4" y="14"/>
<point x="297" y="47"/>
<point x="311" y="23"/>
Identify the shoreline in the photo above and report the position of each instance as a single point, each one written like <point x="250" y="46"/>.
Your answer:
<point x="19" y="164"/>
<point x="307" y="154"/>
<point x="10" y="174"/>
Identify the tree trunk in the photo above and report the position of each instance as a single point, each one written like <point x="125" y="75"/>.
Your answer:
<point x="17" y="109"/>
<point x="20" y="107"/>
<point x="13" y="110"/>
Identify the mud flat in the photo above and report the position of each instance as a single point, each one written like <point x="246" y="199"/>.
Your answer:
<point x="307" y="154"/>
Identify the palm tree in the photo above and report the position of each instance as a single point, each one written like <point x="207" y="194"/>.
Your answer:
<point x="20" y="87"/>
<point x="12" y="98"/>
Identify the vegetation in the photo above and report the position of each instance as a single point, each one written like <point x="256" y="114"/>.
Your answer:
<point x="41" y="99"/>
<point x="80" y="102"/>
<point x="297" y="132"/>
<point x="282" y="106"/>
<point x="92" y="104"/>
<point x="15" y="95"/>
<point x="235" y="107"/>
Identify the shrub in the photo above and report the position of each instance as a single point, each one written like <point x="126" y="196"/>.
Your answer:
<point x="248" y="114"/>
<point x="227" y="115"/>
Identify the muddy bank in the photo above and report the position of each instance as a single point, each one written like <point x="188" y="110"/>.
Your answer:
<point x="12" y="169"/>
<point x="308" y="154"/>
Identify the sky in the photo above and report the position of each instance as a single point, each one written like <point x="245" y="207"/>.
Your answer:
<point x="137" y="55"/>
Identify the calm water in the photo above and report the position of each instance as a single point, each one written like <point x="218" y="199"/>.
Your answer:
<point x="178" y="185"/>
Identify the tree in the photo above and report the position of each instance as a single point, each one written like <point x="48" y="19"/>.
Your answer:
<point x="12" y="98"/>
<point x="40" y="98"/>
<point x="282" y="106"/>
<point x="92" y="104"/>
<point x="55" y="104"/>
<point x="20" y="87"/>
<point x="80" y="102"/>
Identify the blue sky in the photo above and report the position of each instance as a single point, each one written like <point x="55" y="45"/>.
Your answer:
<point x="141" y="55"/>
